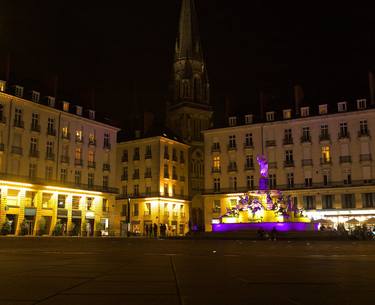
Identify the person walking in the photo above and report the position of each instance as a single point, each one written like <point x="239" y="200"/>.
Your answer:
<point x="146" y="230"/>
<point x="273" y="233"/>
<point x="155" y="230"/>
<point x="150" y="230"/>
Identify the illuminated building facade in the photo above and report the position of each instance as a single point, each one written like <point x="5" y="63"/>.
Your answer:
<point x="154" y="180"/>
<point x="324" y="161"/>
<point x="57" y="168"/>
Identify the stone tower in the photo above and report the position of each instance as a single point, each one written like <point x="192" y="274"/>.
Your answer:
<point x="188" y="109"/>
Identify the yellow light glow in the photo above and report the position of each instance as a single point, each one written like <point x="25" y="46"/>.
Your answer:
<point x="57" y="188"/>
<point x="10" y="183"/>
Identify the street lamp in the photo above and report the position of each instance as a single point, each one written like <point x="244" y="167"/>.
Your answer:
<point x="128" y="218"/>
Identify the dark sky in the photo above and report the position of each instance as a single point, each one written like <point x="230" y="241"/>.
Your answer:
<point x="112" y="47"/>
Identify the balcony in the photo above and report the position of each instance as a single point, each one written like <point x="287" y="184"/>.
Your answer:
<point x="16" y="150"/>
<point x="270" y="143"/>
<point x="174" y="177"/>
<point x="2" y="147"/>
<point x="124" y="158"/>
<point x="324" y="137"/>
<point x="232" y="168"/>
<point x="175" y="214"/>
<point x="78" y="162"/>
<point x="182" y="215"/>
<point x="136" y="176"/>
<point x="34" y="153"/>
<point x="65" y="136"/>
<point x="272" y="164"/>
<point x="249" y="167"/>
<point x="35" y="127"/>
<point x="50" y="156"/>
<point x="51" y="132"/>
<point x="136" y="157"/>
<point x="363" y="133"/>
<point x="232" y="147"/>
<point x="248" y="145"/>
<point x="166" y="175"/>
<point x="345" y="159"/>
<point x="325" y="161"/>
<point x="215" y="170"/>
<point x="92" y="142"/>
<point x="124" y="177"/>
<point x="65" y="159"/>
<point x="107" y="145"/>
<point x="91" y="164"/>
<point x="79" y="140"/>
<point x="148" y="175"/>
<point x="343" y="135"/>
<point x="147" y="213"/>
<point x="288" y="141"/>
<point x="166" y="156"/>
<point x="106" y="167"/>
<point x="148" y="156"/>
<point x="289" y="163"/>
<point x="215" y="148"/>
<point x="19" y="124"/>
<point x="306" y="139"/>
<point x="307" y="162"/>
<point x="365" y="157"/>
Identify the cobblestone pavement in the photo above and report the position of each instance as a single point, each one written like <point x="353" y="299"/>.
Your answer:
<point x="117" y="271"/>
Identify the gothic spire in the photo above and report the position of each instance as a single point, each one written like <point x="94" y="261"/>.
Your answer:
<point x="188" y="41"/>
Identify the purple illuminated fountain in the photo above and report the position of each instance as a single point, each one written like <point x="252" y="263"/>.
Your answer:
<point x="264" y="209"/>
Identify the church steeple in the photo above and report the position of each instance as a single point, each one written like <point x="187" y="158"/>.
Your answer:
<point x="190" y="82"/>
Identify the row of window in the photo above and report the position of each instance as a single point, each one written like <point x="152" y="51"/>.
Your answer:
<point x="272" y="182"/>
<point x="49" y="170"/>
<point x="148" y="154"/>
<point x="148" y="173"/>
<point x="147" y="210"/>
<point x="306" y="136"/>
<point x="171" y="192"/>
<point x="51" y="128"/>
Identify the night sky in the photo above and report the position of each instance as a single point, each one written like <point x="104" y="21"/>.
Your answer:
<point x="119" y="53"/>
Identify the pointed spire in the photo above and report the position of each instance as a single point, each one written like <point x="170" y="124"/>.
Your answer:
<point x="188" y="42"/>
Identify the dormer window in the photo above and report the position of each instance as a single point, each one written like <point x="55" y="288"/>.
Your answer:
<point x="305" y="111"/>
<point x="287" y="114"/>
<point x="78" y="110"/>
<point x="2" y="85"/>
<point x="18" y="91"/>
<point x="66" y="106"/>
<point x="270" y="116"/>
<point x="91" y="114"/>
<point x="232" y="121"/>
<point x="342" y="107"/>
<point x="51" y="101"/>
<point x="361" y="104"/>
<point x="35" y="95"/>
<point x="248" y="119"/>
<point x="323" y="109"/>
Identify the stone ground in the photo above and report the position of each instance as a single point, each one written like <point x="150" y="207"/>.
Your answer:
<point x="184" y="272"/>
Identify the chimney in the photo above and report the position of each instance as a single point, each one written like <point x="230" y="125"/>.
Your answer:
<point x="298" y="98"/>
<point x="148" y="121"/>
<point x="371" y="81"/>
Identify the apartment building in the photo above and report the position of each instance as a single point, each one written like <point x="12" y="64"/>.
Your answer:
<point x="57" y="167"/>
<point x="322" y="158"/>
<point x="153" y="175"/>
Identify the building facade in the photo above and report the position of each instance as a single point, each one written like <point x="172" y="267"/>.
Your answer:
<point x="154" y="184"/>
<point x="57" y="168"/>
<point x="324" y="161"/>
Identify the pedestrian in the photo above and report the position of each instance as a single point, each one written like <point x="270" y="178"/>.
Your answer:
<point x="150" y="230"/>
<point x="146" y="229"/>
<point x="273" y="233"/>
<point x="155" y="230"/>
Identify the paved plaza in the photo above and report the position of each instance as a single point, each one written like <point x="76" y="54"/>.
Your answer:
<point x="173" y="272"/>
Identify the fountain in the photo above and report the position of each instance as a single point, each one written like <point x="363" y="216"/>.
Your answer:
<point x="264" y="209"/>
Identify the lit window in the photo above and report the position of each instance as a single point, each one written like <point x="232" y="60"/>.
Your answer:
<point x="323" y="109"/>
<point x="270" y="116"/>
<point x="361" y="104"/>
<point x="341" y="107"/>
<point x="78" y="110"/>
<point x="305" y="111"/>
<point x="248" y="119"/>
<point x="216" y="163"/>
<point x="326" y="154"/>
<point x="287" y="114"/>
<point x="232" y="121"/>
<point x="66" y="106"/>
